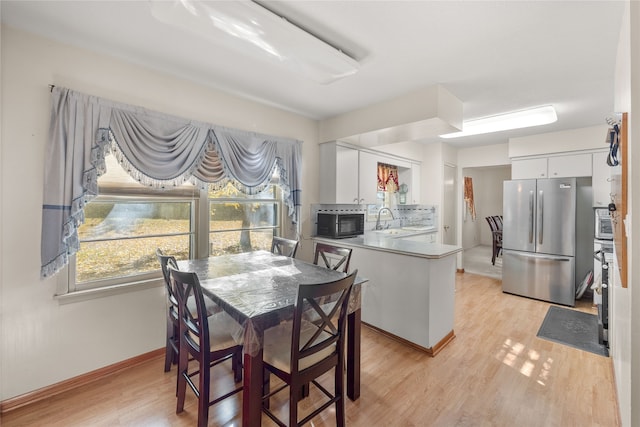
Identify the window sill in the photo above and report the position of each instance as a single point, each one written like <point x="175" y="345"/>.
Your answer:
<point x="89" y="294"/>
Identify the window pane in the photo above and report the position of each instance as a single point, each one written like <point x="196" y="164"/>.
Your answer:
<point x="112" y="220"/>
<point x="242" y="215"/>
<point x="230" y="192"/>
<point x="121" y="258"/>
<point x="231" y="242"/>
<point x="116" y="242"/>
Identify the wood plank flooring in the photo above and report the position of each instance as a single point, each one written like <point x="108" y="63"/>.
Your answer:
<point x="496" y="372"/>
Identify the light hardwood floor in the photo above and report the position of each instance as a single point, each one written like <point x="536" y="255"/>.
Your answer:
<point x="496" y="372"/>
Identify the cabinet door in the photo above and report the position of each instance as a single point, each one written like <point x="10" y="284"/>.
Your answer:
<point x="414" y="186"/>
<point x="571" y="166"/>
<point x="367" y="177"/>
<point x="601" y="180"/>
<point x="529" y="168"/>
<point x="346" y="175"/>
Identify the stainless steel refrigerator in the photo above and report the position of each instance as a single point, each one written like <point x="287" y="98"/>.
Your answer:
<point x="545" y="234"/>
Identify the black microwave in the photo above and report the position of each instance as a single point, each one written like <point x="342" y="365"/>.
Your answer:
<point x="337" y="226"/>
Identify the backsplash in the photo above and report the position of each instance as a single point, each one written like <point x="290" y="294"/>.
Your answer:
<point x="403" y="215"/>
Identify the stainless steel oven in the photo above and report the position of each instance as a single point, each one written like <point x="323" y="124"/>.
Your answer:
<point x="604" y="227"/>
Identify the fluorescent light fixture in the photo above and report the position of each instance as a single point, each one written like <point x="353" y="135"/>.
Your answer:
<point x="513" y="120"/>
<point x="248" y="27"/>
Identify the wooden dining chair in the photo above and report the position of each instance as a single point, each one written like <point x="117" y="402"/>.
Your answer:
<point x="286" y="247"/>
<point x="172" y="342"/>
<point x="299" y="351"/>
<point x="495" y="223"/>
<point x="333" y="257"/>
<point x="206" y="340"/>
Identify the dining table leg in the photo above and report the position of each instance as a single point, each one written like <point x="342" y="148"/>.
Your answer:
<point x="252" y="390"/>
<point x="353" y="354"/>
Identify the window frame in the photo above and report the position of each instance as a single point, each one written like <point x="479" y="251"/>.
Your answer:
<point x="68" y="291"/>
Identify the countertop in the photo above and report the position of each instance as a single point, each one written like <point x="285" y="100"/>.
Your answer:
<point x="391" y="241"/>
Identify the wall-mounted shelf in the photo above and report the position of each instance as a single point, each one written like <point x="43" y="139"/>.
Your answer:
<point x="619" y="198"/>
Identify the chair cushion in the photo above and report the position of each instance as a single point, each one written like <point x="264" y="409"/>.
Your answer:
<point x="222" y="330"/>
<point x="211" y="306"/>
<point x="277" y="346"/>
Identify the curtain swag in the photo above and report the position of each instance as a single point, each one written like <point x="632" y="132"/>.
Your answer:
<point x="156" y="149"/>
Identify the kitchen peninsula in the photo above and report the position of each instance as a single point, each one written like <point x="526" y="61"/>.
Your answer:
<point x="410" y="293"/>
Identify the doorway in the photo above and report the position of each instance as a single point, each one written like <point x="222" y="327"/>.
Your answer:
<point x="477" y="238"/>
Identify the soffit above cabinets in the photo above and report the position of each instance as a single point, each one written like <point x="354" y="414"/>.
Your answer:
<point x="419" y="115"/>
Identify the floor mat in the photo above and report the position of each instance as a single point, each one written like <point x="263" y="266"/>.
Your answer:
<point x="573" y="328"/>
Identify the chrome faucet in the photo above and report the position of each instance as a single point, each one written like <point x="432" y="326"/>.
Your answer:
<point x="378" y="226"/>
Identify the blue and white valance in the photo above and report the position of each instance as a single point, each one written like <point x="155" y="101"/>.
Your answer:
<point x="156" y="149"/>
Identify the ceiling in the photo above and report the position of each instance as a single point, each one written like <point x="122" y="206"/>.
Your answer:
<point x="495" y="56"/>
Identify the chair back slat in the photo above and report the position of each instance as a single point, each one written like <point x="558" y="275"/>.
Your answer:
<point x="333" y="257"/>
<point x="194" y="326"/>
<point x="285" y="247"/>
<point x="327" y="305"/>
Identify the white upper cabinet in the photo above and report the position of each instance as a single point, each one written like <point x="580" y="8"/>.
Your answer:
<point x="601" y="180"/>
<point x="564" y="166"/>
<point x="529" y="168"/>
<point x="338" y="174"/>
<point x="574" y="165"/>
<point x="367" y="178"/>
<point x="349" y="175"/>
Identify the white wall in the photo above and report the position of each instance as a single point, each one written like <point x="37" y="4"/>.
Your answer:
<point x="625" y="302"/>
<point x="488" y="156"/>
<point x="487" y="193"/>
<point x="634" y="201"/>
<point x="591" y="137"/>
<point x="41" y="341"/>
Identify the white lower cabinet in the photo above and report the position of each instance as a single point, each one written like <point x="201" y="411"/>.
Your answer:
<point x="408" y="297"/>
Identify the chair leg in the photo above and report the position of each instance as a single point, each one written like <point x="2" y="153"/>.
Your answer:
<point x="170" y="355"/>
<point x="294" y="396"/>
<point x="203" y="399"/>
<point x="183" y="368"/>
<point x="339" y="391"/>
<point x="493" y="254"/>
<point x="236" y="365"/>
<point x="266" y="387"/>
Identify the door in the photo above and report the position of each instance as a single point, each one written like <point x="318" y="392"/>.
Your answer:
<point x="518" y="210"/>
<point x="449" y="209"/>
<point x="556" y="216"/>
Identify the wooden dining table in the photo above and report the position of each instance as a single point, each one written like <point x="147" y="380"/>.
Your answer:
<point x="259" y="289"/>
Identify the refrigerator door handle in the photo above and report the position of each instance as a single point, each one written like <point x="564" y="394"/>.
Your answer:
<point x="540" y="216"/>
<point x="531" y="217"/>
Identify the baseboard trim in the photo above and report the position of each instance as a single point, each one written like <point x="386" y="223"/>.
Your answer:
<point x="84" y="379"/>
<point x="431" y="351"/>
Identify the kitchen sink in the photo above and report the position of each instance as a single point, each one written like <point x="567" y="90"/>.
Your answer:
<point x="419" y="228"/>
<point x="390" y="231"/>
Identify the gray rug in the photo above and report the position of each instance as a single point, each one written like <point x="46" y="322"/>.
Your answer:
<point x="573" y="328"/>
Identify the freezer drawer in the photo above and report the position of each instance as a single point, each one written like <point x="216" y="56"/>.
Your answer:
<point x="540" y="276"/>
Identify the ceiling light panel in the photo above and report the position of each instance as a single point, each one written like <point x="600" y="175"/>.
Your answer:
<point x="250" y="28"/>
<point x="507" y="121"/>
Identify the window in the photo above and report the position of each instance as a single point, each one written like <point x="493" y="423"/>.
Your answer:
<point x="127" y="222"/>
<point x="242" y="223"/>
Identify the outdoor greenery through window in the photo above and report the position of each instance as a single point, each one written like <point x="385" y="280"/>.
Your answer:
<point x="241" y="223"/>
<point x="127" y="222"/>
